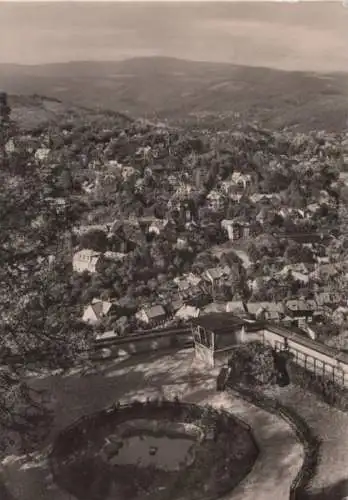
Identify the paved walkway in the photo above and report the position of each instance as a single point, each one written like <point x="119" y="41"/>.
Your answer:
<point x="173" y="374"/>
<point x="331" y="424"/>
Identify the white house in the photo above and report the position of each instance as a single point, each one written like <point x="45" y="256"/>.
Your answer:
<point x="96" y="311"/>
<point x="300" y="277"/>
<point x="158" y="226"/>
<point x="115" y="256"/>
<point x="127" y="172"/>
<point x="235" y="230"/>
<point x="215" y="273"/>
<point x="241" y="180"/>
<point x="42" y="154"/>
<point x="235" y="306"/>
<point x="229" y="226"/>
<point x="270" y="311"/>
<point x="215" y="200"/>
<point x="10" y="146"/>
<point x="181" y="244"/>
<point x="59" y="203"/>
<point x="154" y="314"/>
<point x="186" y="312"/>
<point x="343" y="177"/>
<point x="86" y="260"/>
<point x="80" y="230"/>
<point x="294" y="268"/>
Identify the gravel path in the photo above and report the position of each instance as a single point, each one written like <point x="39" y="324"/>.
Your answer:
<point x="173" y="374"/>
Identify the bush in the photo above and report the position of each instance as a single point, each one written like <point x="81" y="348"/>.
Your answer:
<point x="252" y="363"/>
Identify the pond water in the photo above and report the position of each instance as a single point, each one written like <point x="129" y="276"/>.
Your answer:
<point x="168" y="453"/>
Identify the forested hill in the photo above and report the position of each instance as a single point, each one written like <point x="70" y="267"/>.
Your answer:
<point x="189" y="92"/>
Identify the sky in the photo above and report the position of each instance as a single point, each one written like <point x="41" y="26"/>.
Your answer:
<point x="301" y="36"/>
<point x="117" y="1"/>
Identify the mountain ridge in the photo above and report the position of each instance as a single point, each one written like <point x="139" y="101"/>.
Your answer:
<point x="188" y="91"/>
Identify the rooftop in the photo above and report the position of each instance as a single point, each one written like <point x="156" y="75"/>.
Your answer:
<point x="218" y="322"/>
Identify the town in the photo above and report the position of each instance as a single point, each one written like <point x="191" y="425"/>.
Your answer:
<point x="174" y="312"/>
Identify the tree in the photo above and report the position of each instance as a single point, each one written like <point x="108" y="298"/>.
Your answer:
<point x="95" y="240"/>
<point x="38" y="311"/>
<point x="252" y="363"/>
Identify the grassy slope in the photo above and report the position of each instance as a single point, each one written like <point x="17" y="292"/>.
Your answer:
<point x="178" y="90"/>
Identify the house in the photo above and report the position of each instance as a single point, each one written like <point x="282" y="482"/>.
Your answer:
<point x="154" y="314"/>
<point x="215" y="200"/>
<point x="325" y="271"/>
<point x="300" y="268"/>
<point x="294" y="213"/>
<point x="132" y="232"/>
<point x="257" y="197"/>
<point x="236" y="306"/>
<point x="343" y="177"/>
<point x="96" y="311"/>
<point x="182" y="244"/>
<point x="323" y="299"/>
<point x="214" y="274"/>
<point x="299" y="309"/>
<point x="124" y="306"/>
<point x="127" y="172"/>
<point x="323" y="260"/>
<point x="10" y="146"/>
<point x="240" y="180"/>
<point x="263" y="214"/>
<point x="340" y="315"/>
<point x="188" y="284"/>
<point x="311" y="209"/>
<point x="182" y="284"/>
<point x="173" y="181"/>
<point x="157" y="226"/>
<point x="268" y="311"/>
<point x="38" y="222"/>
<point x="261" y="282"/>
<point x="235" y="197"/>
<point x="114" y="256"/>
<point x="86" y="260"/>
<point x="80" y="230"/>
<point x="175" y="304"/>
<point x="59" y="204"/>
<point x="336" y="298"/>
<point x="88" y="187"/>
<point x="42" y="154"/>
<point x="236" y="230"/>
<point x="303" y="279"/>
<point x="187" y="311"/>
<point x="312" y="304"/>
<point x="193" y="280"/>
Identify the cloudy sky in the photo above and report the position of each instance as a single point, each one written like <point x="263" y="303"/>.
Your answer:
<point x="300" y="36"/>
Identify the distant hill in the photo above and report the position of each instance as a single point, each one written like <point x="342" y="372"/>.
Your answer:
<point x="185" y="91"/>
<point x="31" y="111"/>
